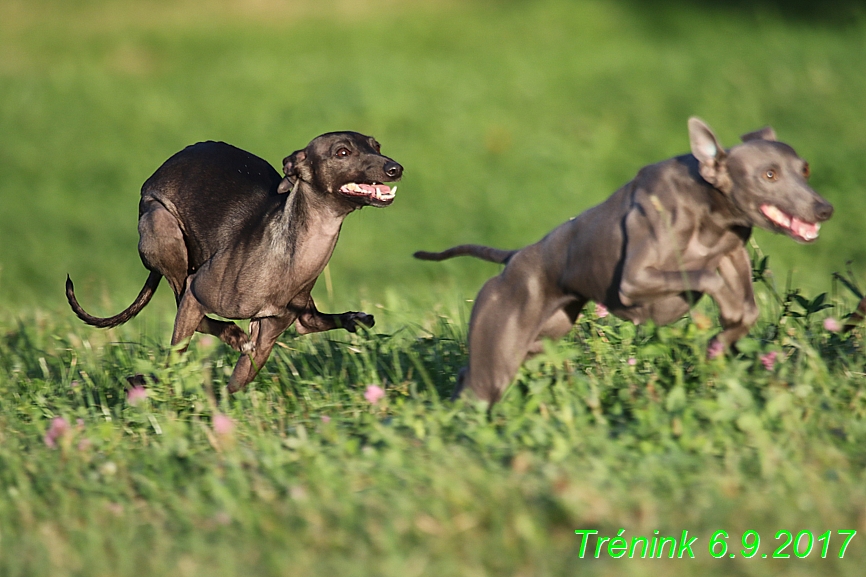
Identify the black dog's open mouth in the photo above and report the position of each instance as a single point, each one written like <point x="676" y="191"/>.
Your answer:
<point x="796" y="228"/>
<point x="376" y="193"/>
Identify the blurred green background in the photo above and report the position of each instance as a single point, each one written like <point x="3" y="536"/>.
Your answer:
<point x="509" y="118"/>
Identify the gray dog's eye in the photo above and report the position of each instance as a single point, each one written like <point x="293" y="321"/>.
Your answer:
<point x="770" y="174"/>
<point x="343" y="152"/>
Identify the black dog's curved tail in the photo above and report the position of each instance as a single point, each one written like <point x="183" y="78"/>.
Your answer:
<point x="487" y="253"/>
<point x="139" y="303"/>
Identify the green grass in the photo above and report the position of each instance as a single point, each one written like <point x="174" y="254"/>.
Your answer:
<point x="315" y="480"/>
<point x="509" y="117"/>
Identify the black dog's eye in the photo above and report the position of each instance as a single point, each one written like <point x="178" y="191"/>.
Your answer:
<point x="770" y="175"/>
<point x="806" y="170"/>
<point x="343" y="152"/>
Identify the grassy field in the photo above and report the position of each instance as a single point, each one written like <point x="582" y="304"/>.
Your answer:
<point x="509" y="118"/>
<point x="615" y="428"/>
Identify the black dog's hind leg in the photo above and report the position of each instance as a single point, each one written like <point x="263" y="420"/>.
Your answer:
<point x="264" y="333"/>
<point x="162" y="248"/>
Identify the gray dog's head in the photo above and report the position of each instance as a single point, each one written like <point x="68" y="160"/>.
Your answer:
<point x="764" y="179"/>
<point x="345" y="165"/>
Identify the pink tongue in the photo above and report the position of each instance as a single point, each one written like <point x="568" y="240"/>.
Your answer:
<point x="803" y="229"/>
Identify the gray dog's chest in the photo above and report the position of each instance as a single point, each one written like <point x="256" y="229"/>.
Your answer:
<point x="699" y="252"/>
<point x="664" y="234"/>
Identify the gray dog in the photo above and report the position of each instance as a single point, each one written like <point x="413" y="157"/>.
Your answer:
<point x="236" y="240"/>
<point x="675" y="232"/>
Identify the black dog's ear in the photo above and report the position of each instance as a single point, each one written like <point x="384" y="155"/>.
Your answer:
<point x="285" y="186"/>
<point x="766" y="133"/>
<point x="710" y="154"/>
<point x="295" y="167"/>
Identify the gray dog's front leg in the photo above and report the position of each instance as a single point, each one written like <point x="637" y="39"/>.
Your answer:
<point x="737" y="305"/>
<point x="730" y="286"/>
<point x="648" y="284"/>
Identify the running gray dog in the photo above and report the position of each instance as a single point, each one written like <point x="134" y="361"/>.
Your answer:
<point x="236" y="240"/>
<point x="650" y="251"/>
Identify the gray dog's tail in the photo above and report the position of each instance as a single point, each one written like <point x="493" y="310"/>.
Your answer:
<point x="139" y="303"/>
<point x="487" y="253"/>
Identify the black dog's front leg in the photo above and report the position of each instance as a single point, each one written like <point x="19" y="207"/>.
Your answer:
<point x="310" y="320"/>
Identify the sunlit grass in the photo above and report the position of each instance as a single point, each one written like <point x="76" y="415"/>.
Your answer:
<point x="615" y="427"/>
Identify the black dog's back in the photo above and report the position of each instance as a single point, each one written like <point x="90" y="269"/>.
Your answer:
<point x="219" y="192"/>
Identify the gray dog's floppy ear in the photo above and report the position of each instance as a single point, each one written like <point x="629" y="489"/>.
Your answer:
<point x="710" y="154"/>
<point x="766" y="133"/>
<point x="295" y="167"/>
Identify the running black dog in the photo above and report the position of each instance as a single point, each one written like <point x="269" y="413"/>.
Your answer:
<point x="235" y="240"/>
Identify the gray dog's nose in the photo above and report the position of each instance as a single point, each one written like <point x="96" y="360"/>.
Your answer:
<point x="823" y="210"/>
<point x="393" y="170"/>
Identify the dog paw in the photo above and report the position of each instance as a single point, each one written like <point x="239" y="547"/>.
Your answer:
<point x="235" y="337"/>
<point x="247" y="347"/>
<point x="352" y="320"/>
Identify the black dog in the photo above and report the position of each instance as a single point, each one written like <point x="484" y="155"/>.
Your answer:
<point x="217" y="222"/>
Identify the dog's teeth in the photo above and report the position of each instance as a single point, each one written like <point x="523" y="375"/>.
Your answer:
<point x="393" y="191"/>
<point x="776" y="215"/>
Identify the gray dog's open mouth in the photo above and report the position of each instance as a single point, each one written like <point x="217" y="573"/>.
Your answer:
<point x="798" y="229"/>
<point x="381" y="193"/>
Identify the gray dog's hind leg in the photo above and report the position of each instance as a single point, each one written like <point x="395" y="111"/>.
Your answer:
<point x="162" y="248"/>
<point x="556" y="326"/>
<point x="513" y="311"/>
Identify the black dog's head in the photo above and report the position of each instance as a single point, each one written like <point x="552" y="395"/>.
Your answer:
<point x="764" y="179"/>
<point x="346" y="165"/>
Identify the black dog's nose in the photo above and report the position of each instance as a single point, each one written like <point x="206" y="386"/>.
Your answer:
<point x="823" y="210"/>
<point x="393" y="170"/>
